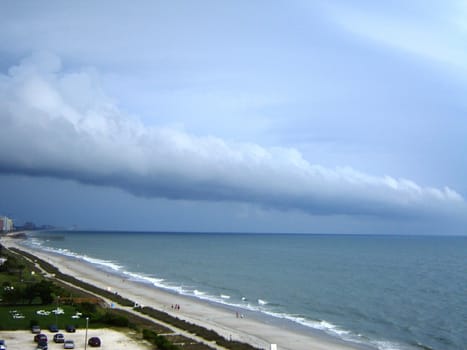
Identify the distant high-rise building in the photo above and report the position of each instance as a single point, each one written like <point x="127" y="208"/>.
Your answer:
<point x="6" y="224"/>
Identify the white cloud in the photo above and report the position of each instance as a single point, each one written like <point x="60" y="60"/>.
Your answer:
<point x="61" y="124"/>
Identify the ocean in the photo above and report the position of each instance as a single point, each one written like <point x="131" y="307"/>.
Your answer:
<point x="385" y="292"/>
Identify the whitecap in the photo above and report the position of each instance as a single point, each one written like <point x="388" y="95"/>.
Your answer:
<point x="386" y="345"/>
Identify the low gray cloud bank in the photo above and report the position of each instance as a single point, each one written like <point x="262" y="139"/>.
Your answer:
<point x="61" y="124"/>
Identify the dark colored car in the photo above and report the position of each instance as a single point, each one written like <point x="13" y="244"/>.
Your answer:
<point x="53" y="328"/>
<point x="36" y="329"/>
<point x="42" y="345"/>
<point x="70" y="328"/>
<point x="40" y="338"/>
<point x="2" y="344"/>
<point x="94" y="341"/>
<point x="59" y="338"/>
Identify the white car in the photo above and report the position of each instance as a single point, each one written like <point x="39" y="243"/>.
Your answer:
<point x="69" y="344"/>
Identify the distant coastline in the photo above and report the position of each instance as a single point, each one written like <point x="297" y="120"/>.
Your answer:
<point x="17" y="234"/>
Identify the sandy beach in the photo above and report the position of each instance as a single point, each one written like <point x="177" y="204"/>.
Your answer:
<point x="222" y="320"/>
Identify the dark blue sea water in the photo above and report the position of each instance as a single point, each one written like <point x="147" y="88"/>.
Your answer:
<point x="389" y="292"/>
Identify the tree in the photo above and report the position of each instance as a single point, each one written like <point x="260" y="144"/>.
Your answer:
<point x="12" y="266"/>
<point x="42" y="290"/>
<point x="13" y="295"/>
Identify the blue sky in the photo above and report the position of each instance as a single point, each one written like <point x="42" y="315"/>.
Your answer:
<point x="246" y="116"/>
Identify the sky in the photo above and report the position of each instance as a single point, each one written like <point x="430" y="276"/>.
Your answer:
<point x="242" y="116"/>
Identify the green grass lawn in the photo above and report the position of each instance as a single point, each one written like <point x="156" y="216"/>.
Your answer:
<point x="21" y="317"/>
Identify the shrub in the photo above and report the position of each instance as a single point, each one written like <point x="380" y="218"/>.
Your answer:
<point x="112" y="319"/>
<point x="160" y="341"/>
<point x="88" y="309"/>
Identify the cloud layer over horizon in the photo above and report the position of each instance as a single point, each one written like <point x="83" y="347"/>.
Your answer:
<point x="61" y="124"/>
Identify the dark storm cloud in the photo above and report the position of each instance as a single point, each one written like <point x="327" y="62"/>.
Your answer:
<point x="61" y="124"/>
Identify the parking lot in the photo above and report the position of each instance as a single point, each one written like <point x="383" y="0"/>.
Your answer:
<point x="110" y="339"/>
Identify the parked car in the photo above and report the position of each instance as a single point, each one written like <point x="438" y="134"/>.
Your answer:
<point x="59" y="338"/>
<point x="70" y="328"/>
<point x="2" y="344"/>
<point x="42" y="345"/>
<point x="35" y="329"/>
<point x="69" y="344"/>
<point x="40" y="337"/>
<point x="94" y="341"/>
<point x="53" y="328"/>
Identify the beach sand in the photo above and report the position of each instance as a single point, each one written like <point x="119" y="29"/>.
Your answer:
<point x="220" y="319"/>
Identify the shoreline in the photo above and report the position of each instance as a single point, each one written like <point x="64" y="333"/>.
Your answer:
<point x="252" y="329"/>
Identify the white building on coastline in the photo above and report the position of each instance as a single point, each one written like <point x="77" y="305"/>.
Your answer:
<point x="6" y="224"/>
